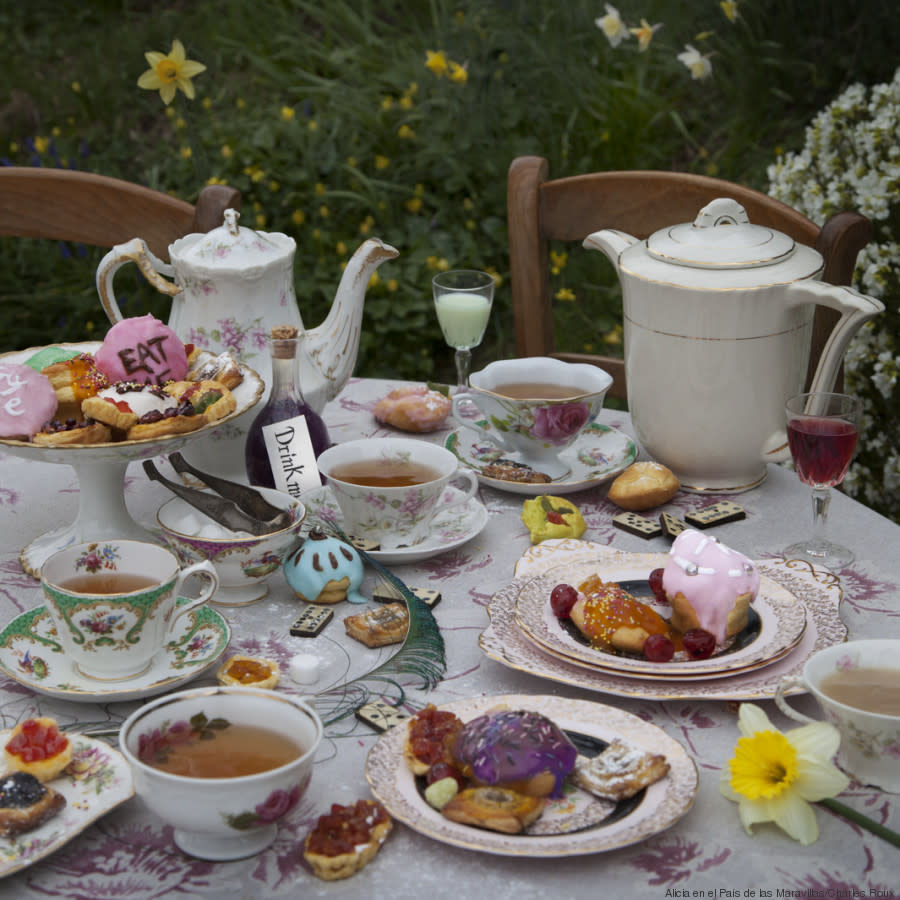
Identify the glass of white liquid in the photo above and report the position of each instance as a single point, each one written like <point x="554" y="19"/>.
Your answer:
<point x="462" y="299"/>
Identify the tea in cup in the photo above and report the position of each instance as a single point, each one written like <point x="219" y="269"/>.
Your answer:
<point x="390" y="489"/>
<point x="857" y="687"/>
<point x="115" y="603"/>
<point x="536" y="407"/>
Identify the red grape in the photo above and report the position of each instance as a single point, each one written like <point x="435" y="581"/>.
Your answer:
<point x="440" y="770"/>
<point x="699" y="643"/>
<point x="656" y="585"/>
<point x="658" y="648"/>
<point x="562" y="599"/>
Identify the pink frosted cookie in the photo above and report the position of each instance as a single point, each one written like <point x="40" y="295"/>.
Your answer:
<point x="413" y="408"/>
<point x="142" y="349"/>
<point x="27" y="401"/>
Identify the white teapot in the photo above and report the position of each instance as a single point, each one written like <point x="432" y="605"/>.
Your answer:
<point x="718" y="324"/>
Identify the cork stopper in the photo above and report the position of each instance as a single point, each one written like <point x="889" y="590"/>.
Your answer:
<point x="284" y="341"/>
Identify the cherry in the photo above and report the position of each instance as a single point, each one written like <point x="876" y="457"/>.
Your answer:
<point x="440" y="770"/>
<point x="658" y="648"/>
<point x="699" y="643"/>
<point x="562" y="599"/>
<point x="656" y="585"/>
<point x="556" y="518"/>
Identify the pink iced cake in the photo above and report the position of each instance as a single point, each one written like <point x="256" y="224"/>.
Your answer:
<point x="144" y="350"/>
<point x="27" y="401"/>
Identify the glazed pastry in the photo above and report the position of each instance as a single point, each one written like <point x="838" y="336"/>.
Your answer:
<point x="643" y="485"/>
<point x="552" y="517"/>
<point x="249" y="671"/>
<point x="36" y="746"/>
<point x="206" y="366"/>
<point x="709" y="585"/>
<point x="71" y="433"/>
<point x="432" y="732"/>
<point x="25" y="803"/>
<point x="346" y="839"/>
<point x="612" y="619"/>
<point x="508" y="470"/>
<point x="619" y="772"/>
<point x="74" y="380"/>
<point x="27" y="401"/>
<point x="378" y="627"/>
<point x="209" y="399"/>
<point x="142" y="349"/>
<point x="123" y="404"/>
<point x="516" y="749"/>
<point x="496" y="808"/>
<point x="414" y="408"/>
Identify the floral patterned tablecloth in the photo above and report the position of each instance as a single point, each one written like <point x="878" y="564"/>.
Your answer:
<point x="129" y="853"/>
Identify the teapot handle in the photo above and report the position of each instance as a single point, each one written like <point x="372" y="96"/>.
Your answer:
<point x="138" y="252"/>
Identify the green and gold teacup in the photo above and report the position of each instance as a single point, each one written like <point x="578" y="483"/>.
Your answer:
<point x="114" y="603"/>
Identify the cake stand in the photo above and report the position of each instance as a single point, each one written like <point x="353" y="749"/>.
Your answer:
<point x="102" y="514"/>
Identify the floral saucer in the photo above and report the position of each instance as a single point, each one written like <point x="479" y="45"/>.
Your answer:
<point x="31" y="654"/>
<point x="449" y="529"/>
<point x="599" y="454"/>
<point x="97" y="780"/>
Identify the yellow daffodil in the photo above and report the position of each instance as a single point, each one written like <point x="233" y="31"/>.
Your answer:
<point x="564" y="294"/>
<point x="41" y="144"/>
<point x="312" y="125"/>
<point x="387" y="103"/>
<point x="436" y="62"/>
<point x="168" y="73"/>
<point x="226" y="151"/>
<point x="773" y="777"/>
<point x="558" y="261"/>
<point x="612" y="26"/>
<point x="698" y="65"/>
<point x="381" y="162"/>
<point x="287" y="113"/>
<point x="645" y="33"/>
<point x="458" y="73"/>
<point x="392" y="284"/>
<point x="298" y="216"/>
<point x="406" y="102"/>
<point x="414" y="204"/>
<point x="730" y="8"/>
<point x="405" y="133"/>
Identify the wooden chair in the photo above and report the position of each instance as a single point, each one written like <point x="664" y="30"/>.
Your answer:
<point x="640" y="203"/>
<point x="84" y="208"/>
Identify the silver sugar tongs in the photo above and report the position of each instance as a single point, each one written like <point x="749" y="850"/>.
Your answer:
<point x="239" y="507"/>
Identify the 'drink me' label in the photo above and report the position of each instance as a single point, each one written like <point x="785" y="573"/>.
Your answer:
<point x="291" y="456"/>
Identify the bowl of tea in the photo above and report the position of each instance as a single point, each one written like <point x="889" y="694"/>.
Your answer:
<point x="222" y="765"/>
<point x="857" y="687"/>
<point x="536" y="407"/>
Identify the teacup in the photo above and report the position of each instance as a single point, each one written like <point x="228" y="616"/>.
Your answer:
<point x="215" y="816"/>
<point x="870" y="741"/>
<point x="115" y="603"/>
<point x="537" y="407"/>
<point x="390" y="489"/>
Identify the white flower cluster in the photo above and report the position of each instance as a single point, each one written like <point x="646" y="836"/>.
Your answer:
<point x="851" y="160"/>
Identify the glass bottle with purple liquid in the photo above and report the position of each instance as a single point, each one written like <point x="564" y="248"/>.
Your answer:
<point x="285" y="402"/>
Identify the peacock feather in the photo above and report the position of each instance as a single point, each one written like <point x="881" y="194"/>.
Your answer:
<point x="421" y="654"/>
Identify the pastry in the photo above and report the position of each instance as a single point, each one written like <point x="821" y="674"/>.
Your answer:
<point x="508" y="470"/>
<point x="346" y="839"/>
<point x="36" y="746"/>
<point x="142" y="349"/>
<point x="209" y="399"/>
<point x="643" y="485"/>
<point x="619" y="772"/>
<point x="709" y="585"/>
<point x="249" y="671"/>
<point x="25" y="803"/>
<point x="612" y="619"/>
<point x="71" y="433"/>
<point x="325" y="570"/>
<point x="387" y="624"/>
<point x="552" y="517"/>
<point x="414" y="408"/>
<point x="74" y="380"/>
<point x="47" y="356"/>
<point x="206" y="366"/>
<point x="496" y="808"/>
<point x="431" y="733"/>
<point x="123" y="404"/>
<point x="516" y="749"/>
<point x="27" y="401"/>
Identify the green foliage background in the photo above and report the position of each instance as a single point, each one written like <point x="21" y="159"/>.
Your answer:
<point x="541" y="79"/>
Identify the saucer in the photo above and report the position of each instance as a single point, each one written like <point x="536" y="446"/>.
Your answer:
<point x="449" y="529"/>
<point x="600" y="453"/>
<point x="31" y="654"/>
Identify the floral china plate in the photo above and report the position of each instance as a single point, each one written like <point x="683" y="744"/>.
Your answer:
<point x="599" y="454"/>
<point x="776" y="624"/>
<point x="31" y="654"/>
<point x="571" y="825"/>
<point x="449" y="529"/>
<point x="96" y="781"/>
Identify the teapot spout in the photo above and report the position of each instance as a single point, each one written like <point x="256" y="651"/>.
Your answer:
<point x="611" y="242"/>
<point x="328" y="352"/>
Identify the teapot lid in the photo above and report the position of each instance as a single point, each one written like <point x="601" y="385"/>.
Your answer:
<point x="231" y="246"/>
<point x="721" y="237"/>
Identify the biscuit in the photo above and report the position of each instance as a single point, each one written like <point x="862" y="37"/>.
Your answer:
<point x="619" y="772"/>
<point x="643" y="485"/>
<point x="495" y="808"/>
<point x="387" y="624"/>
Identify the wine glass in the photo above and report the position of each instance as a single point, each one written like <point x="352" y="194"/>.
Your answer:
<point x="462" y="299"/>
<point x="822" y="431"/>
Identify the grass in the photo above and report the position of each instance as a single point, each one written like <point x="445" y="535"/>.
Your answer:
<point x="327" y="119"/>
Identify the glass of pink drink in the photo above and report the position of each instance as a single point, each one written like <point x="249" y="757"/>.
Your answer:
<point x="822" y="431"/>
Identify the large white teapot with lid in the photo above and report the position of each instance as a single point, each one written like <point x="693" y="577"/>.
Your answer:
<point x="233" y="284"/>
<point x="718" y="324"/>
